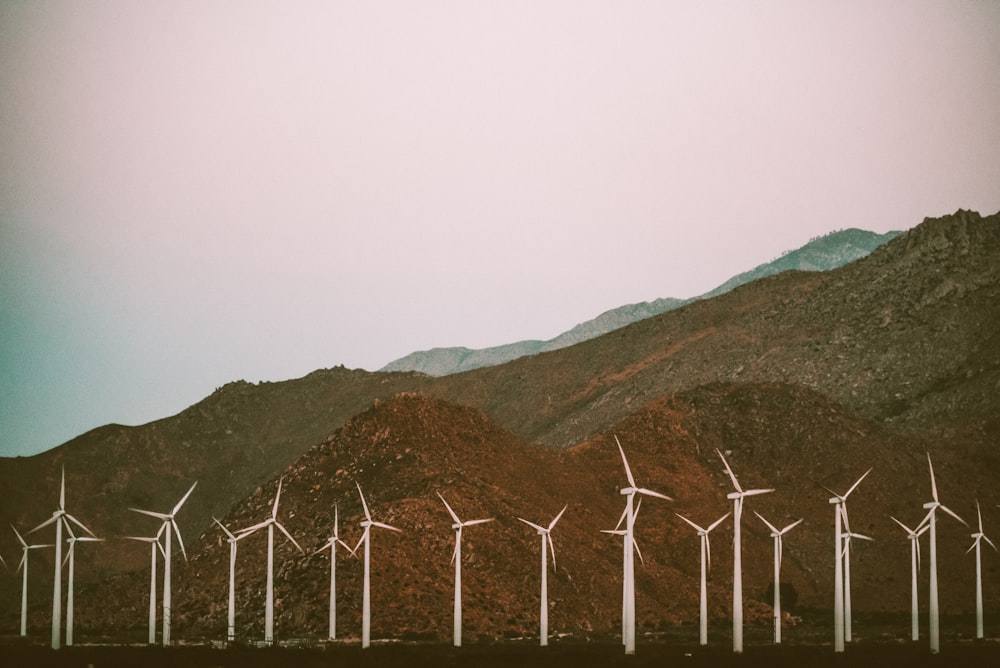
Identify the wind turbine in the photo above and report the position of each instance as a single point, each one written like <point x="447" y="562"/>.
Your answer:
<point x="331" y="544"/>
<point x="737" y="498"/>
<point x="776" y="534"/>
<point x="24" y="578"/>
<point x="914" y="537"/>
<point x="618" y="531"/>
<point x="847" y="535"/>
<point x="154" y="545"/>
<point x="366" y="606"/>
<point x="71" y="558"/>
<point x="978" y="538"/>
<point x="168" y="527"/>
<point x="232" y="540"/>
<point x="933" y="612"/>
<point x="628" y="584"/>
<point x="456" y="557"/>
<point x="270" y="523"/>
<point x="706" y="563"/>
<point x="839" y="502"/>
<point x="60" y="517"/>
<point x="546" y="534"/>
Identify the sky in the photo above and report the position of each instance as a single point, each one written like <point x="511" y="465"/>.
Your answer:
<point x="196" y="192"/>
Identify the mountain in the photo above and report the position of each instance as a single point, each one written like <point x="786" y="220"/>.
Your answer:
<point x="820" y="254"/>
<point x="801" y="378"/>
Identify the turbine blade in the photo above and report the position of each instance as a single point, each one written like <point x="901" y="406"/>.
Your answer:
<point x="360" y="540"/>
<point x="24" y="557"/>
<point x="717" y="522"/>
<point x="755" y="492"/>
<point x="454" y="553"/>
<point x="780" y="551"/>
<point x="907" y="529"/>
<point x="696" y="527"/>
<point x="987" y="538"/>
<point x="736" y="483"/>
<point x="62" y="490"/>
<point x="708" y="552"/>
<point x="43" y="524"/>
<point x="552" y="550"/>
<point x="159" y="516"/>
<point x="769" y="525"/>
<point x="450" y="511"/>
<point x="348" y="548"/>
<point x="556" y="519"/>
<point x="638" y="551"/>
<point x="183" y="499"/>
<point x="326" y="546"/>
<point x="277" y="497"/>
<point x="228" y="533"/>
<point x="533" y="525"/>
<point x="250" y="530"/>
<point x="72" y="545"/>
<point x="971" y="547"/>
<point x="933" y="483"/>
<point x="69" y="529"/>
<point x="78" y="523"/>
<point x="628" y="471"/>
<point x="20" y="539"/>
<point x="615" y="532"/>
<point x="368" y="515"/>
<point x="180" y="541"/>
<point x="469" y="523"/>
<point x="336" y="522"/>
<point x="791" y="526"/>
<point x="979" y="514"/>
<point x="950" y="512"/>
<point x="918" y="554"/>
<point x="649" y="492"/>
<point x="382" y="525"/>
<point x="622" y="518"/>
<point x="856" y="483"/>
<point x="289" y="536"/>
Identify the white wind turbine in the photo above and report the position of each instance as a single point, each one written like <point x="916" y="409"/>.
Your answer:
<point x="628" y="584"/>
<point x="777" y="534"/>
<point x="24" y="578"/>
<point x="456" y="557"/>
<point x="706" y="564"/>
<point x="737" y="498"/>
<point x="978" y="538"/>
<point x="546" y="534"/>
<point x="232" y="540"/>
<point x="914" y="537"/>
<point x="270" y="523"/>
<point x="934" y="619"/>
<point x="154" y="545"/>
<point x="168" y="528"/>
<point x="839" y="502"/>
<point x="366" y="606"/>
<point x="847" y="535"/>
<point x="71" y="558"/>
<point x="60" y="517"/>
<point x="331" y="544"/>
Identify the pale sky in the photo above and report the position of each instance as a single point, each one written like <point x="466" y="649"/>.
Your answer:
<point x="197" y="192"/>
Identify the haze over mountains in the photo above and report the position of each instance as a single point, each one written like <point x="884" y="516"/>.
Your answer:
<point x="820" y="254"/>
<point x="801" y="377"/>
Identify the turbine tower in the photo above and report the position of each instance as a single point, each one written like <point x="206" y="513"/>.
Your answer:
<point x="269" y="524"/>
<point x="168" y="527"/>
<point x="737" y="497"/>
<point x="977" y="539"/>
<point x="71" y="558"/>
<point x="847" y="535"/>
<point x="628" y="584"/>
<point x="231" y="617"/>
<point x="706" y="564"/>
<point x="366" y="607"/>
<point x="914" y="537"/>
<point x="456" y="557"/>
<point x="839" y="501"/>
<point x="25" y="548"/>
<point x="933" y="613"/>
<point x="546" y="534"/>
<point x="776" y="534"/>
<point x="331" y="544"/>
<point x="60" y="517"/>
<point x="154" y="545"/>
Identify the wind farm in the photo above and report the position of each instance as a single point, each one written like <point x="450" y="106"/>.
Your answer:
<point x="409" y="445"/>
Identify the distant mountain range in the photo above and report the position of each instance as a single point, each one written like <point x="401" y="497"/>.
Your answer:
<point x="823" y="253"/>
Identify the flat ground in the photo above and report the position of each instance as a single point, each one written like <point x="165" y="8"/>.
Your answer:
<point x="880" y="642"/>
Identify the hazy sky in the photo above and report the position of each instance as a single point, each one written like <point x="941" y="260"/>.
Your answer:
<point x="197" y="192"/>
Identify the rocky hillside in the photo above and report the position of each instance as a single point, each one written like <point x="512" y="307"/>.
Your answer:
<point x="820" y="254"/>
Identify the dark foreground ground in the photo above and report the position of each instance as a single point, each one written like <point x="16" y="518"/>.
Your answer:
<point x="879" y="643"/>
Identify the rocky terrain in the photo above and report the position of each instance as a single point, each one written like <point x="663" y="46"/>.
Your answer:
<point x="802" y="379"/>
